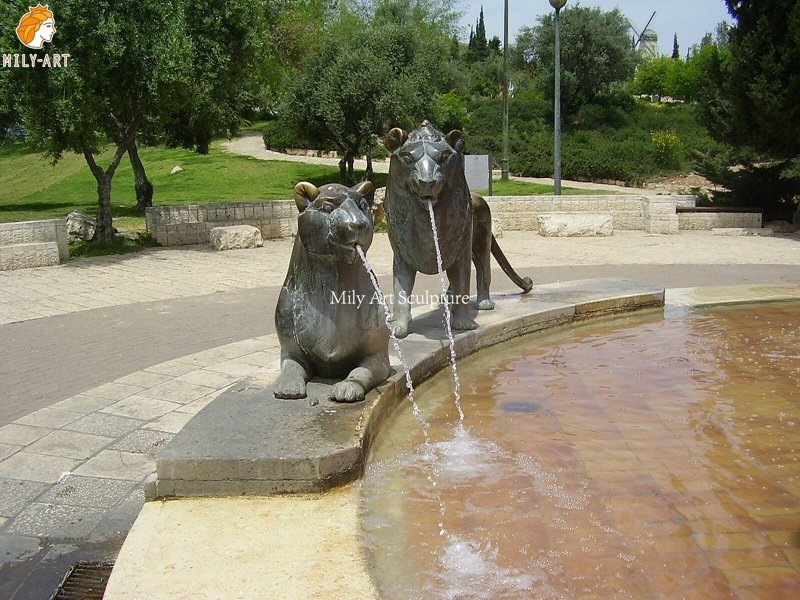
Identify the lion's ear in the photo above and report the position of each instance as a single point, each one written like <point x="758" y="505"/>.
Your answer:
<point x="395" y="138"/>
<point x="366" y="189"/>
<point x="455" y="139"/>
<point x="304" y="194"/>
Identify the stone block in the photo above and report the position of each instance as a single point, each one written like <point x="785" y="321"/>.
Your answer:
<point x="575" y="225"/>
<point x="236" y="237"/>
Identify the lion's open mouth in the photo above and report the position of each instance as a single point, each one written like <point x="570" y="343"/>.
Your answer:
<point x="347" y="251"/>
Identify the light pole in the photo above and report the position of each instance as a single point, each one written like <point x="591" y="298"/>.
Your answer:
<point x="558" y="5"/>
<point x="504" y="172"/>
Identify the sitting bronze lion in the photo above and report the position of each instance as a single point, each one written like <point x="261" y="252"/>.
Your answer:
<point x="428" y="166"/>
<point x="326" y="320"/>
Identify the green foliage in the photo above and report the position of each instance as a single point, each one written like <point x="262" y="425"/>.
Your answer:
<point x="608" y="140"/>
<point x="773" y="187"/>
<point x="478" y="47"/>
<point x="357" y="85"/>
<point x="176" y="71"/>
<point x="121" y="245"/>
<point x="761" y="85"/>
<point x="669" y="149"/>
<point x="280" y="135"/>
<point x="595" y="53"/>
<point x="451" y="111"/>
<point x="33" y="188"/>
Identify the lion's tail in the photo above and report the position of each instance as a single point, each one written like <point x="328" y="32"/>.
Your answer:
<point x="524" y="283"/>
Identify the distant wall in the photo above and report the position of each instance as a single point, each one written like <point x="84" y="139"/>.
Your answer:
<point x="30" y="244"/>
<point x="707" y="218"/>
<point x="654" y="214"/>
<point x="192" y="224"/>
<point x="666" y="214"/>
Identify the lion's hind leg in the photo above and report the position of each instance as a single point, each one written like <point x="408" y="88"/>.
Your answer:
<point x="481" y="250"/>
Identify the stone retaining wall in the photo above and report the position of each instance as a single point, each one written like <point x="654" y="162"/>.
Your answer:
<point x="192" y="224"/>
<point x="695" y="221"/>
<point x="654" y="214"/>
<point x="33" y="244"/>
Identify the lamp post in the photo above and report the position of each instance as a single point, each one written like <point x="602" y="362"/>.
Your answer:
<point x="504" y="172"/>
<point x="557" y="5"/>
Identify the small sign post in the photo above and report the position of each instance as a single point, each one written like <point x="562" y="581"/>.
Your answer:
<point x="478" y="169"/>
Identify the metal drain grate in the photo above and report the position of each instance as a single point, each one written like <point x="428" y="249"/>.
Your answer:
<point x="84" y="581"/>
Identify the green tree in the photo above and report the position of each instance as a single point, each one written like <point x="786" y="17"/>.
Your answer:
<point x="753" y="105"/>
<point x="118" y="75"/>
<point x="596" y="53"/>
<point x="676" y="51"/>
<point x="135" y="69"/>
<point x="358" y="85"/>
<point x="763" y="81"/>
<point x="652" y="76"/>
<point x="478" y="48"/>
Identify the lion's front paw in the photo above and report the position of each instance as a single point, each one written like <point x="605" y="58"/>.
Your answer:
<point x="289" y="388"/>
<point x="347" y="391"/>
<point x="463" y="323"/>
<point x="485" y="304"/>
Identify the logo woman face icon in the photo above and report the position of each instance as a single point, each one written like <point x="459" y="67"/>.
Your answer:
<point x="47" y="31"/>
<point x="37" y="27"/>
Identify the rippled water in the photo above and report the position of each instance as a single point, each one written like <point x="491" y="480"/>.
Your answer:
<point x="644" y="457"/>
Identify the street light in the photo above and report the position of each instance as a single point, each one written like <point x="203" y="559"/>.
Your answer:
<point x="557" y="5"/>
<point x="504" y="171"/>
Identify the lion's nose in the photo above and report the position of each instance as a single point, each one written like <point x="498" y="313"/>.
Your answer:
<point x="427" y="177"/>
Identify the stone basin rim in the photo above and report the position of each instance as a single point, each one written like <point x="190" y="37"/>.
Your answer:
<point x="245" y="442"/>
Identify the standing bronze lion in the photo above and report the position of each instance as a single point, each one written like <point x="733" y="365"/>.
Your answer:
<point x="428" y="166"/>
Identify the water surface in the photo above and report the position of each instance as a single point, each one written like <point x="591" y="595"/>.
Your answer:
<point x="648" y="456"/>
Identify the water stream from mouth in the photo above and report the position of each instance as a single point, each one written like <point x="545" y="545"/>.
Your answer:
<point x="433" y="474"/>
<point x="447" y="316"/>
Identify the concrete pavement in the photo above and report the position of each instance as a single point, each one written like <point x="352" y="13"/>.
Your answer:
<point x="155" y="336"/>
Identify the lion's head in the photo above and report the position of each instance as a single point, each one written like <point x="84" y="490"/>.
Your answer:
<point x="424" y="159"/>
<point x="333" y="219"/>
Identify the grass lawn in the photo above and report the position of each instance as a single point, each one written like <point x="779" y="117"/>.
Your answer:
<point x="527" y="188"/>
<point x="32" y="188"/>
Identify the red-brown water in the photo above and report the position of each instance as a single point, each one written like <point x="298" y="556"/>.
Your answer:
<point x="650" y="456"/>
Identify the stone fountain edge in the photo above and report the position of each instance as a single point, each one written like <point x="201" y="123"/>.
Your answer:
<point x="246" y="442"/>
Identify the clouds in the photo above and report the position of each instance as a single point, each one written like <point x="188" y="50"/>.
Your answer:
<point x="690" y="19"/>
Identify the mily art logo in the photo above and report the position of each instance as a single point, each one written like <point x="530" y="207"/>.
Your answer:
<point x="36" y="28"/>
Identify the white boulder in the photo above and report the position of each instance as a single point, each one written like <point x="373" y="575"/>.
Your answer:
<point x="235" y="237"/>
<point x="575" y="225"/>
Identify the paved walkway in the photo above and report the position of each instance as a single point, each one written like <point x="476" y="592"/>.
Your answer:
<point x="149" y="335"/>
<point x="251" y="144"/>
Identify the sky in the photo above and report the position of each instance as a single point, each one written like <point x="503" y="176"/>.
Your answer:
<point x="690" y="19"/>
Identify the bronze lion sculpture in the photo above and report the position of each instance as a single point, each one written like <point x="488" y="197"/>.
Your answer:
<point x="326" y="321"/>
<point x="428" y="166"/>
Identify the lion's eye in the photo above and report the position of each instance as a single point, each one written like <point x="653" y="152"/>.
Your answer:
<point x="327" y="207"/>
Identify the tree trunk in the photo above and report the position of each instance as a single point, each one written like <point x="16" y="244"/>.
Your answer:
<point x="144" y="189"/>
<point x="105" y="228"/>
<point x="369" y="172"/>
<point x="346" y="169"/>
<point x="796" y="219"/>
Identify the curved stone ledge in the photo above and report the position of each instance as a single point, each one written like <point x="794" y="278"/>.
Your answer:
<point x="248" y="443"/>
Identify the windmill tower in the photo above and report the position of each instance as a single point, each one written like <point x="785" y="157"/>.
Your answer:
<point x="647" y="41"/>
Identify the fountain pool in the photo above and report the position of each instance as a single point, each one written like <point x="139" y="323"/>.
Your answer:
<point x="655" y="455"/>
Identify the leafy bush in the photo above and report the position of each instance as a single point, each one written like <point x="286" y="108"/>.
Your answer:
<point x="280" y="136"/>
<point x="669" y="150"/>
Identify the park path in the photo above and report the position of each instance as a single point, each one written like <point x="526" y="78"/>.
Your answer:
<point x="251" y="144"/>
